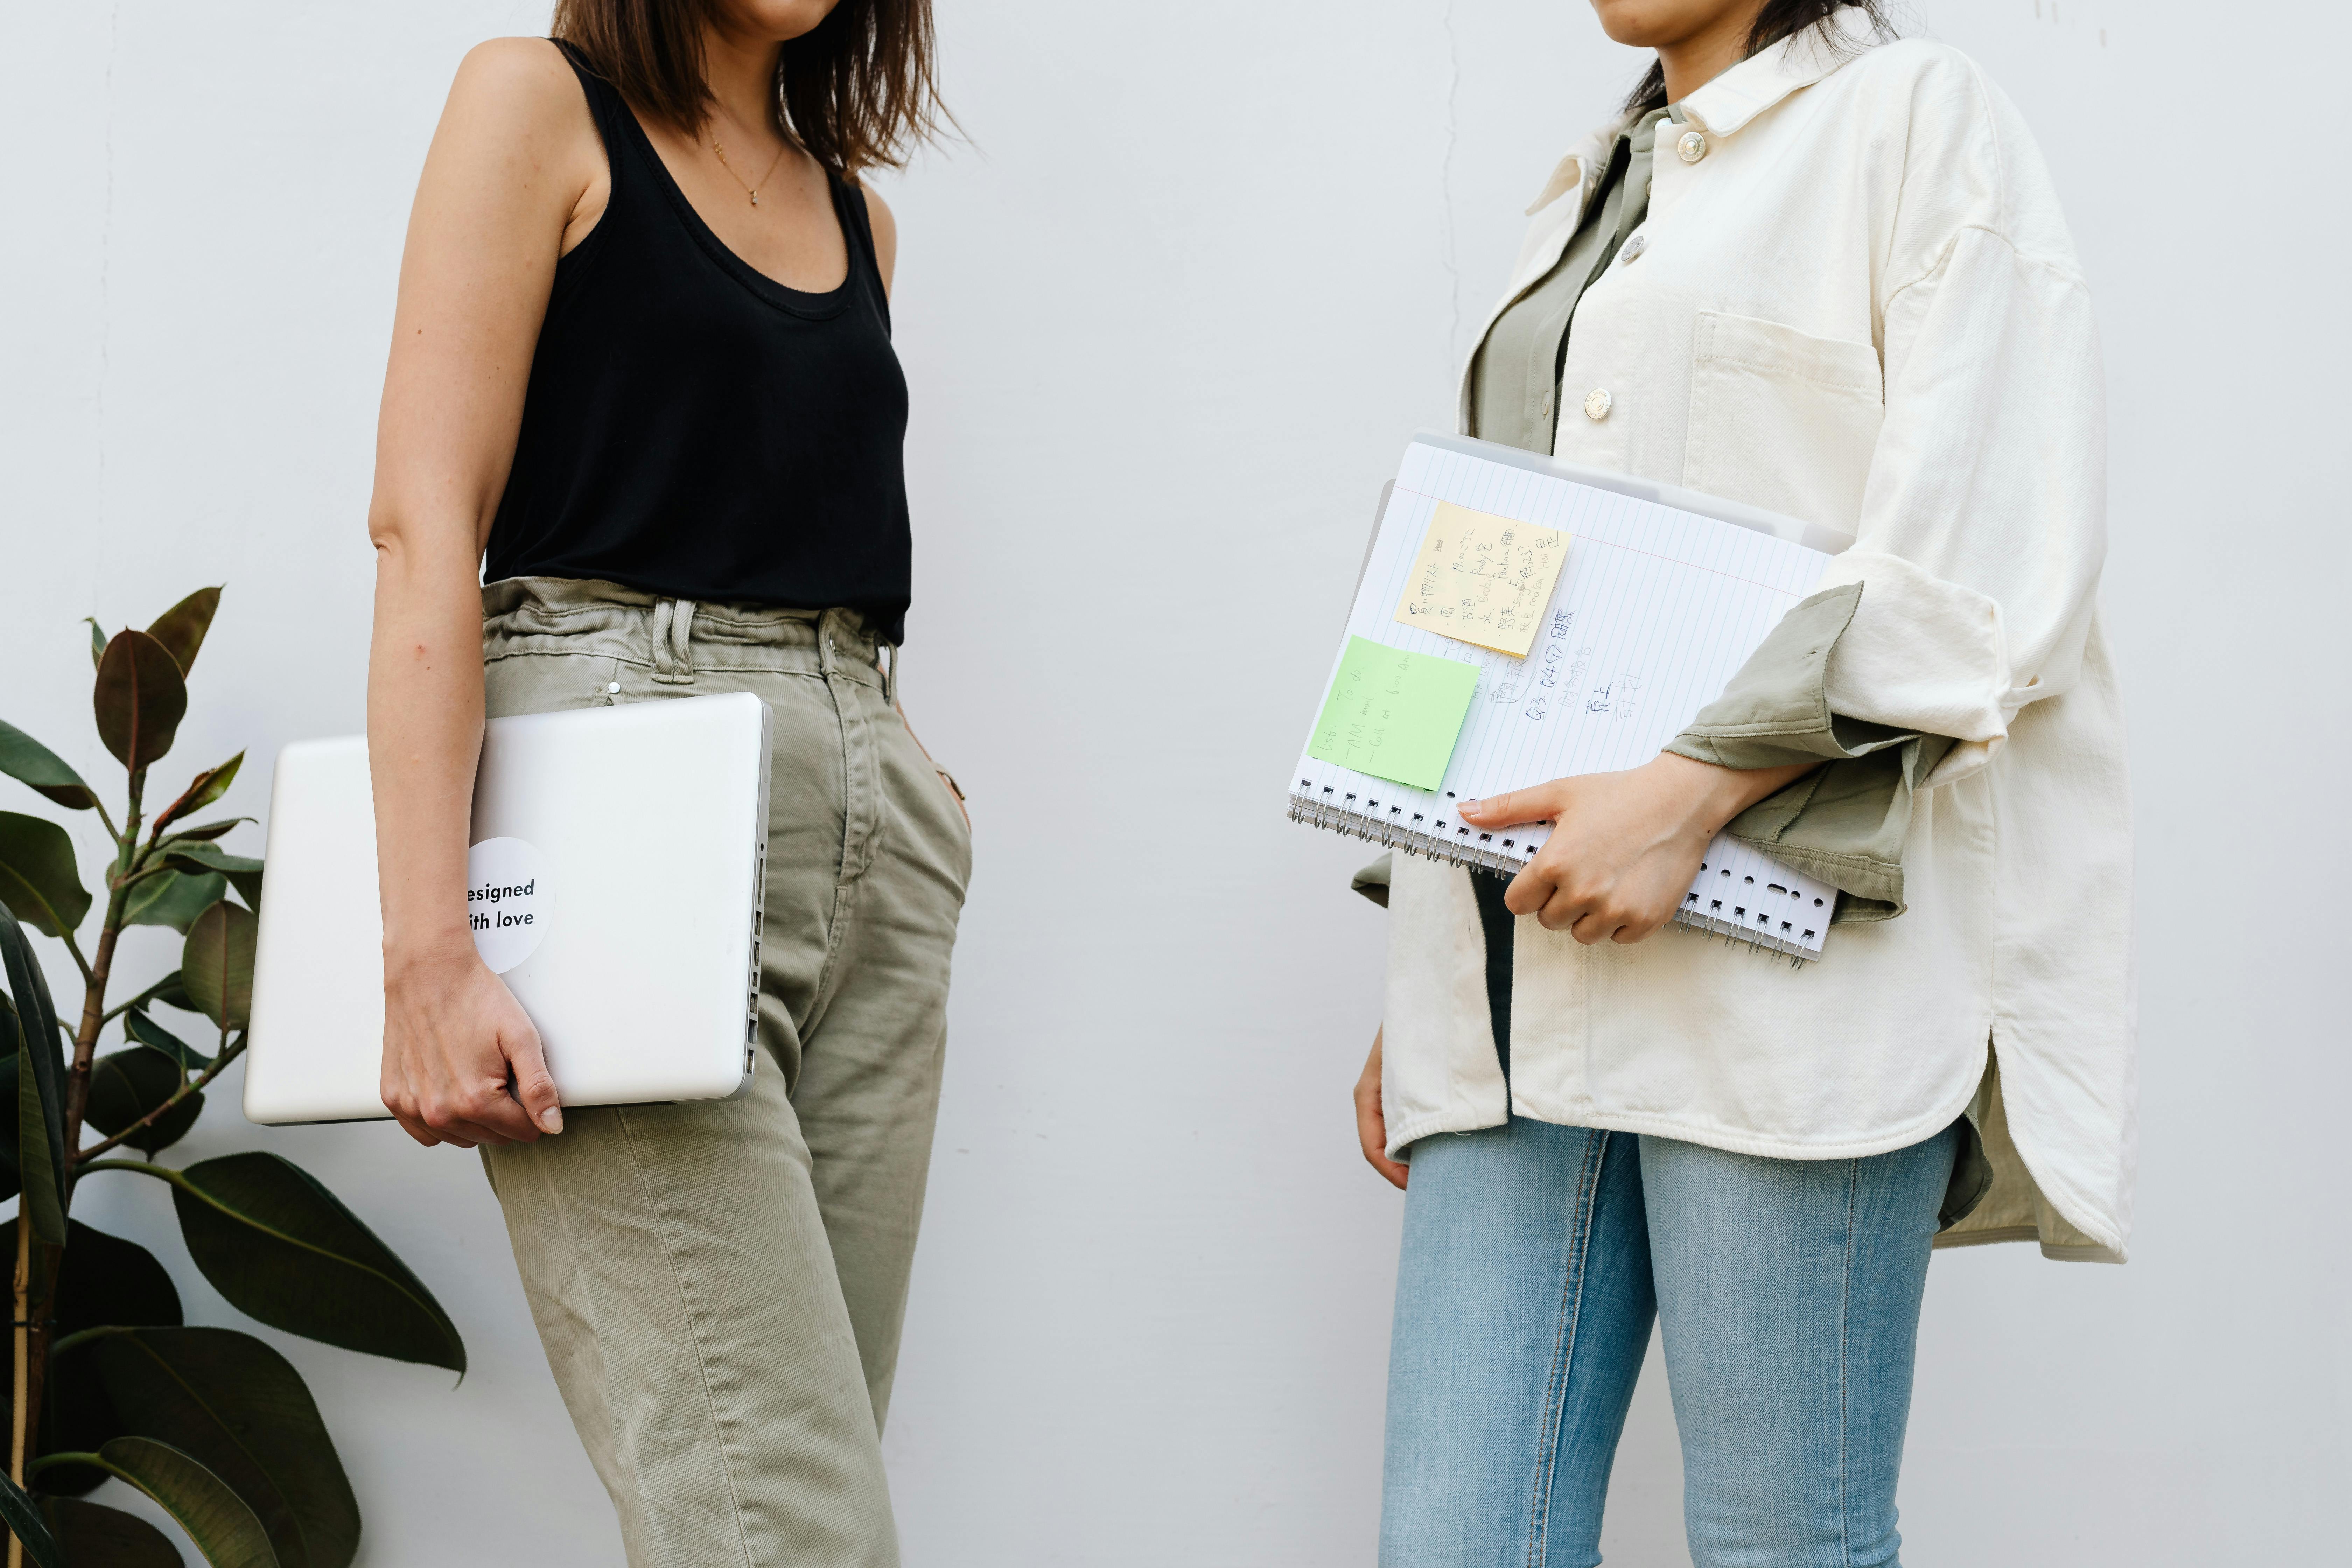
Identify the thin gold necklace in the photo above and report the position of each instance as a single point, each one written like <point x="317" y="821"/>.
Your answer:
<point x="751" y="190"/>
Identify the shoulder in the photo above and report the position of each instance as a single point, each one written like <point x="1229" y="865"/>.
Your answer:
<point x="1934" y="89"/>
<point x="519" y="83"/>
<point x="1961" y="148"/>
<point x="878" y="214"/>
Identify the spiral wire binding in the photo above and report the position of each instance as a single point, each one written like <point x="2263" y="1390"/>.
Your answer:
<point x="1339" y="819"/>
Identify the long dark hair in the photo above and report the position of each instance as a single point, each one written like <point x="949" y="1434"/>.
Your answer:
<point x="1779" y="20"/>
<point x="857" y="91"/>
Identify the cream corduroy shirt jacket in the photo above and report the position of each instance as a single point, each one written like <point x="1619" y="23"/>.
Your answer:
<point x="1857" y="303"/>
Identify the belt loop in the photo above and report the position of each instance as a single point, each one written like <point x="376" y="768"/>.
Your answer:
<point x="673" y="642"/>
<point x="890" y="675"/>
<point x="828" y="657"/>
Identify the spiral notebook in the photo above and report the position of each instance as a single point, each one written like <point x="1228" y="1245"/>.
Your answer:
<point x="1633" y="603"/>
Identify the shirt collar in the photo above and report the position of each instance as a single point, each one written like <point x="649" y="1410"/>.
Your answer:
<point x="1733" y="99"/>
<point x="1729" y="101"/>
<point x="1580" y="167"/>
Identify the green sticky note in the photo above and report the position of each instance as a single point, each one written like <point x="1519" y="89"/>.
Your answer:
<point x="1393" y="714"/>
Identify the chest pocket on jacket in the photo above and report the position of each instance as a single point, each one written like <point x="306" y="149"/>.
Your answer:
<point x="1780" y="418"/>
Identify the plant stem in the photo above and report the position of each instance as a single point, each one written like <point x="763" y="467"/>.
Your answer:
<point x="17" y="1431"/>
<point x="145" y="869"/>
<point x="94" y="1006"/>
<point x="138" y="1001"/>
<point x="228" y="1054"/>
<point x="32" y="1346"/>
<point x="147" y="1167"/>
<point x="83" y="1336"/>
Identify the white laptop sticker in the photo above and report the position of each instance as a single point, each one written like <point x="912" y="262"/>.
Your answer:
<point x="507" y="900"/>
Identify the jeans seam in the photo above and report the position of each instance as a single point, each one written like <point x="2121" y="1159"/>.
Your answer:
<point x="1845" y="1324"/>
<point x="1564" y="1348"/>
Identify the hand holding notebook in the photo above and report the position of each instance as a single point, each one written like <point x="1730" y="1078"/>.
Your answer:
<point x="1623" y="849"/>
<point x="1520" y="621"/>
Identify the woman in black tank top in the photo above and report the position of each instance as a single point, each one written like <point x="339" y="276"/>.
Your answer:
<point x="641" y="438"/>
<point x="696" y="428"/>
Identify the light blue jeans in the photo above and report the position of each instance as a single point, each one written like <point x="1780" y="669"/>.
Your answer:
<point x="1535" y="1258"/>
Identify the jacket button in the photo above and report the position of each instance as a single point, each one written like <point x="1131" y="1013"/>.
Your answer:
<point x="1634" y="247"/>
<point x="1597" y="402"/>
<point x="1693" y="146"/>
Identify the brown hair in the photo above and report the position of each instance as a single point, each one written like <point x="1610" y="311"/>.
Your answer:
<point x="1776" y="20"/>
<point x="857" y="91"/>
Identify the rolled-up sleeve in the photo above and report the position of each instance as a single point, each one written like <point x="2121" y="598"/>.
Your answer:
<point x="1983" y="521"/>
<point x="1845" y="822"/>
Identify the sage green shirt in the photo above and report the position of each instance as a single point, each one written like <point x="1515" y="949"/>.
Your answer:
<point x="1514" y="383"/>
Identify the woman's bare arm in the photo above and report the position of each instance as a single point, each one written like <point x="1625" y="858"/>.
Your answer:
<point x="515" y="174"/>
<point x="885" y="224"/>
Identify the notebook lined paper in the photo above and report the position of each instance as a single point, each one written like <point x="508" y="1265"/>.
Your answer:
<point x="1655" y="608"/>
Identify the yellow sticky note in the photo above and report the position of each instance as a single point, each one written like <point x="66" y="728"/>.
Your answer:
<point x="1483" y="579"/>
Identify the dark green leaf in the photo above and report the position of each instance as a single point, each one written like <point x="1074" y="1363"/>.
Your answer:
<point x="126" y="1085"/>
<point x="203" y="790"/>
<point x="103" y="1280"/>
<point x="40" y="1094"/>
<point x="243" y="872"/>
<point x="38" y="879"/>
<point x="209" y="857"/>
<point x="216" y="964"/>
<point x="283" y="1250"/>
<point x="147" y="1032"/>
<point x="107" y="1280"/>
<point x="22" y="757"/>
<point x="223" y="1529"/>
<point x="205" y="830"/>
<point x="239" y="1408"/>
<point x="24" y="1522"/>
<point x="171" y="991"/>
<point x="181" y="629"/>
<point x="96" y="641"/>
<point x="8" y="1182"/>
<point x="173" y="899"/>
<point x="94" y="1536"/>
<point x="140" y="700"/>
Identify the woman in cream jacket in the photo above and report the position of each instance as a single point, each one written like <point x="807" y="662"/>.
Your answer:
<point x="1826" y="273"/>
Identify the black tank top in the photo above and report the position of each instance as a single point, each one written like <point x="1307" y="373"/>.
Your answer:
<point x="696" y="429"/>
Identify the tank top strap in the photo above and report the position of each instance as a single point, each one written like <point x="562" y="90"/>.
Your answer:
<point x="605" y="102"/>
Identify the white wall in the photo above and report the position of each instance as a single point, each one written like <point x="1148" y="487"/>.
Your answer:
<point x="1168" y="326"/>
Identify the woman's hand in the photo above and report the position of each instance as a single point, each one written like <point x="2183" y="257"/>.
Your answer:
<point x="1623" y="847"/>
<point x="453" y="1040"/>
<point x="1372" y="1123"/>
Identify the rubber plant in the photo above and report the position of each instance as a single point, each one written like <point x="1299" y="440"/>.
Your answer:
<point x="106" y="1379"/>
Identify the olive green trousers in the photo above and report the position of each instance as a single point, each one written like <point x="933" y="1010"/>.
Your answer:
<point x="720" y="1285"/>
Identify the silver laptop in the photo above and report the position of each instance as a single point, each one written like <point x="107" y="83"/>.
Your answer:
<point x="614" y="880"/>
